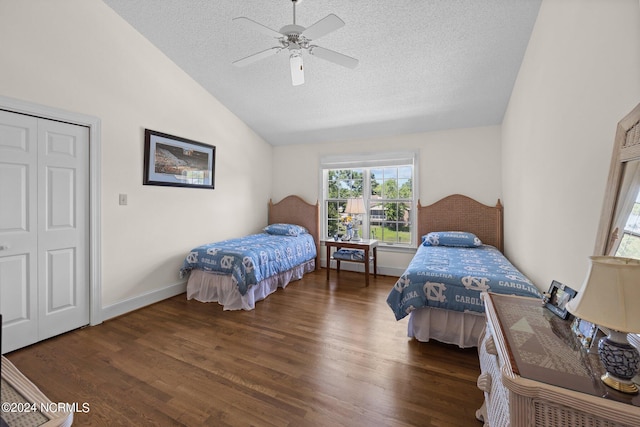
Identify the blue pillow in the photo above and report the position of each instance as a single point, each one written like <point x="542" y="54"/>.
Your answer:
<point x="285" y="229"/>
<point x="458" y="239"/>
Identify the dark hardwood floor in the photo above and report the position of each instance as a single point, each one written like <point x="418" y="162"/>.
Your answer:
<point x="314" y="354"/>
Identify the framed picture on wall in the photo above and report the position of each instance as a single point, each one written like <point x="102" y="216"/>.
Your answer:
<point x="178" y="162"/>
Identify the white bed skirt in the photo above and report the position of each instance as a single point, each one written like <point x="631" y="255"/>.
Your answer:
<point x="206" y="286"/>
<point x="451" y="327"/>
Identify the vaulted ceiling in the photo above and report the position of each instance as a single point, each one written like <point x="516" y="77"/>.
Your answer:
<point x="424" y="65"/>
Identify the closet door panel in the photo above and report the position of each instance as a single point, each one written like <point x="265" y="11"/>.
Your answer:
<point x="63" y="254"/>
<point x="18" y="229"/>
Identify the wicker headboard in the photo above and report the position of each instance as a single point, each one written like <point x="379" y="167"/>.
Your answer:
<point x="294" y="210"/>
<point x="462" y="213"/>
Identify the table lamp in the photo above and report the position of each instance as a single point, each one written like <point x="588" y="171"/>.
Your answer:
<point x="355" y="206"/>
<point x="609" y="298"/>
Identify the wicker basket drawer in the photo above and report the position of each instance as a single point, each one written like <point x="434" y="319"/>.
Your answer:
<point x="490" y="382"/>
<point x="547" y="413"/>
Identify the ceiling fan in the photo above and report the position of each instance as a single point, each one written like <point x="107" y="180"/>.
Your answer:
<point x="296" y="39"/>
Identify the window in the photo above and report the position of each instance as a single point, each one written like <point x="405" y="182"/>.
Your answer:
<point x="371" y="196"/>
<point x="629" y="246"/>
<point x="627" y="216"/>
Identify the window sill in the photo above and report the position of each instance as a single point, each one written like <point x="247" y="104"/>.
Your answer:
<point x="385" y="247"/>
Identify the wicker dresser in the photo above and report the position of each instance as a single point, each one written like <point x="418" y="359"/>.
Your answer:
<point x="23" y="404"/>
<point x="535" y="373"/>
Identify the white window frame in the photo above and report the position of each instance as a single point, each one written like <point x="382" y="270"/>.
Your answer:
<point x="630" y="187"/>
<point x="371" y="160"/>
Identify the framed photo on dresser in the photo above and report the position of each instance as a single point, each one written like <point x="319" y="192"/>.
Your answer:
<point x="585" y="332"/>
<point x="557" y="298"/>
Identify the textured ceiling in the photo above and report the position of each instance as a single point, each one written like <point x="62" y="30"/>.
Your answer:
<point x="425" y="65"/>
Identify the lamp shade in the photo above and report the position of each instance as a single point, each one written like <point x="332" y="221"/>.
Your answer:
<point x="610" y="294"/>
<point x="355" y="206"/>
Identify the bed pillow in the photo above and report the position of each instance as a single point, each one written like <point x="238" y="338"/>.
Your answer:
<point x="459" y="239"/>
<point x="285" y="229"/>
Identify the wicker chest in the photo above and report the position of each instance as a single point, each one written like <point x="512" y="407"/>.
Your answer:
<point x="534" y="374"/>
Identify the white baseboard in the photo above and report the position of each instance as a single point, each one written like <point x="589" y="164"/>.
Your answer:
<point x="131" y="304"/>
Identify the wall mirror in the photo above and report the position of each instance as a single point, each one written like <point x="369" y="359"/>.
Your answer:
<point x="619" y="230"/>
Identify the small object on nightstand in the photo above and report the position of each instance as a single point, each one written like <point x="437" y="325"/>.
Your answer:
<point x="355" y="208"/>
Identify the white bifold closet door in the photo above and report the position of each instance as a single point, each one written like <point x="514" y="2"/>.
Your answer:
<point x="44" y="228"/>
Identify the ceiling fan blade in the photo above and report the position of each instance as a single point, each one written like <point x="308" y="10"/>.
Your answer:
<point x="251" y="24"/>
<point x="297" y="70"/>
<point x="257" y="56"/>
<point x="332" y="56"/>
<point x="322" y="27"/>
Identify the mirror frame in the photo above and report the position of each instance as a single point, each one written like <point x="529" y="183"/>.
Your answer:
<point x="626" y="147"/>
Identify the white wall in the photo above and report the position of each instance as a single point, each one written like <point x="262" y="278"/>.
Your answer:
<point x="465" y="161"/>
<point x="580" y="76"/>
<point x="78" y="55"/>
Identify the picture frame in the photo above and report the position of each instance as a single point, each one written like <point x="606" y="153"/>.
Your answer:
<point x="557" y="298"/>
<point x="173" y="161"/>
<point x="585" y="332"/>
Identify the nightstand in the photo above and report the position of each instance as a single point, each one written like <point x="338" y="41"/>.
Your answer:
<point x="534" y="372"/>
<point x="368" y="246"/>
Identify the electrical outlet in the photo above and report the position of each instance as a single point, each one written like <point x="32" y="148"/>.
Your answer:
<point x="122" y="199"/>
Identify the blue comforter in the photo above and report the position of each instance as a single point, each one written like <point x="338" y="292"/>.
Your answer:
<point x="452" y="278"/>
<point x="252" y="258"/>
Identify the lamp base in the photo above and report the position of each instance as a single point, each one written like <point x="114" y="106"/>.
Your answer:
<point x="621" y="361"/>
<point x="624" y="386"/>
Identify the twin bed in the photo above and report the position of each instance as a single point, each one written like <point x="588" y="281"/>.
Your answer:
<point x="440" y="290"/>
<point x="237" y="273"/>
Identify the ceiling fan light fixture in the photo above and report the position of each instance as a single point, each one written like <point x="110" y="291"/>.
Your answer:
<point x="296" y="39"/>
<point x="297" y="69"/>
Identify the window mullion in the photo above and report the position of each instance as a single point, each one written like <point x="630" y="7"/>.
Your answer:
<point x="366" y="196"/>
